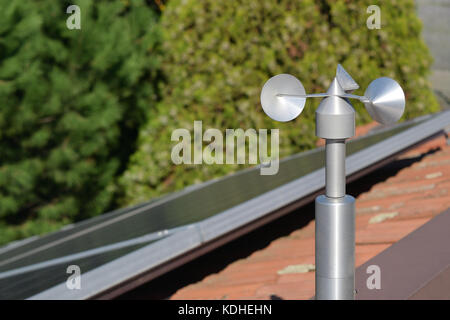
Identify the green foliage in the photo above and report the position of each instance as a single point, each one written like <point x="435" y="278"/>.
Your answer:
<point x="71" y="103"/>
<point x="218" y="55"/>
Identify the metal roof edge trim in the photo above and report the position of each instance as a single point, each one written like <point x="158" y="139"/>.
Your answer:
<point x="411" y="267"/>
<point x="120" y="270"/>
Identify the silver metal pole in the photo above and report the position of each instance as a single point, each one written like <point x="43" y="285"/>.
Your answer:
<point x="335" y="168"/>
<point x="335" y="248"/>
<point x="335" y="230"/>
<point x="335" y="211"/>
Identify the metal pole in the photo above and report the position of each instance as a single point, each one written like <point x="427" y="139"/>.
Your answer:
<point x="335" y="168"/>
<point x="335" y="231"/>
<point x="335" y="211"/>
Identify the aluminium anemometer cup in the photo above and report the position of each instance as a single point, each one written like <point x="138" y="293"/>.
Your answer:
<point x="279" y="108"/>
<point x="385" y="100"/>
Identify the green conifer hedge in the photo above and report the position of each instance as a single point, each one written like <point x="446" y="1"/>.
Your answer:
<point x="218" y="55"/>
<point x="71" y="103"/>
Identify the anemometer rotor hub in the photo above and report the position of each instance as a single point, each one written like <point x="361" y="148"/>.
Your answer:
<point x="335" y="116"/>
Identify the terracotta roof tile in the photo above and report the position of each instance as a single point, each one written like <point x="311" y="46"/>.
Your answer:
<point x="387" y="212"/>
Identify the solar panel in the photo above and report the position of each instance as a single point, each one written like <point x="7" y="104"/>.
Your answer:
<point x="26" y="284"/>
<point x="36" y="262"/>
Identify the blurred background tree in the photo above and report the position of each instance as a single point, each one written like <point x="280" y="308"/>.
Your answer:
<point x="71" y="104"/>
<point x="218" y="55"/>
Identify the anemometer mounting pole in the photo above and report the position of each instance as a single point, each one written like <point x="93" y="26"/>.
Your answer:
<point x="335" y="211"/>
<point x="283" y="98"/>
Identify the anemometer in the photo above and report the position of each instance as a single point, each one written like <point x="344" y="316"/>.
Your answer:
<point x="283" y="98"/>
